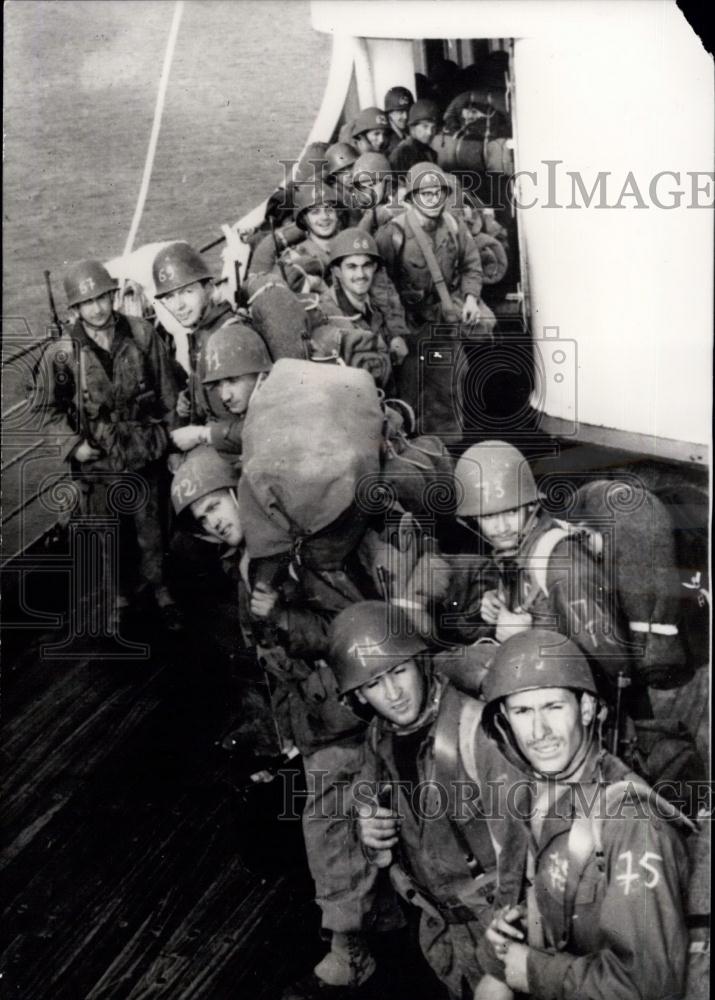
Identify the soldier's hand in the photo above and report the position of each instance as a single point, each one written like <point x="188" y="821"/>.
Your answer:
<point x="470" y="310"/>
<point x="183" y="404"/>
<point x="510" y="623"/>
<point x="186" y="438"/>
<point x="490" y="607"/>
<point x="378" y="827"/>
<point x="398" y="350"/>
<point x="85" y="452"/>
<point x="491" y="988"/>
<point x="263" y="601"/>
<point x="506" y="938"/>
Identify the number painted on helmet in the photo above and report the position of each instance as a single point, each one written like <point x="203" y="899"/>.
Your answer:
<point x="381" y="120"/>
<point x="186" y="488"/>
<point x="213" y="360"/>
<point x="86" y="286"/>
<point x="167" y="273"/>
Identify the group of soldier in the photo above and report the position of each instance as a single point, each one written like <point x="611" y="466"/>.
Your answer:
<point x="451" y="708"/>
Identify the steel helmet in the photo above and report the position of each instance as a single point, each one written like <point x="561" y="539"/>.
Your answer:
<point x="306" y="196"/>
<point x="425" y="174"/>
<point x="492" y="477"/>
<point x="176" y="266"/>
<point x="424" y="111"/>
<point x="353" y="241"/>
<point x="202" y="471"/>
<point x="537" y="658"/>
<point x="235" y="350"/>
<point x="87" y="280"/>
<point x="477" y="99"/>
<point x="368" y="639"/>
<point x="367" y="120"/>
<point x="398" y="99"/>
<point x="339" y="156"/>
<point x="371" y="163"/>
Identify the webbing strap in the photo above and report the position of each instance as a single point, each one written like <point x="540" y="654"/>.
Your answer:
<point x="413" y="226"/>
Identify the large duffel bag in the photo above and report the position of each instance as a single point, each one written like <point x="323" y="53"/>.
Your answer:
<point x="311" y="434"/>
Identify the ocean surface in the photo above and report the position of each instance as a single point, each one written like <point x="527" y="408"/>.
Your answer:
<point x="80" y="83"/>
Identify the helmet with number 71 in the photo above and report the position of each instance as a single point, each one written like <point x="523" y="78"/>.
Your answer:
<point x="368" y="639"/>
<point x="201" y="472"/>
<point x="176" y="266"/>
<point x="235" y="350"/>
<point x="86" y="280"/>
<point x="493" y="477"/>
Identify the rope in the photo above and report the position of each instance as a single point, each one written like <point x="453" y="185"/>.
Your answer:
<point x="156" y="125"/>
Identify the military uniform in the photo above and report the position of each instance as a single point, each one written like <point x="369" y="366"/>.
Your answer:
<point x="446" y="854"/>
<point x="431" y="383"/>
<point x="120" y="400"/>
<point x="610" y="925"/>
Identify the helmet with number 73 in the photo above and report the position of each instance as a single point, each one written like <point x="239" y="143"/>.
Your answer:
<point x="493" y="477"/>
<point x="368" y="639"/>
<point x="87" y="280"/>
<point x="176" y="266"/>
<point x="201" y="472"/>
<point x="536" y="658"/>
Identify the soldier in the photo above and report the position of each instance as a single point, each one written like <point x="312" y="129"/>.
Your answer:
<point x="592" y="870"/>
<point x="547" y="576"/>
<point x="423" y="122"/>
<point x="339" y="160"/>
<point x="471" y="114"/>
<point x="398" y="101"/>
<point x="184" y="284"/>
<point x="443" y="856"/>
<point x="369" y="131"/>
<point x="370" y="192"/>
<point x="436" y="267"/>
<point x="106" y="388"/>
<point x="235" y="361"/>
<point x="354" y="261"/>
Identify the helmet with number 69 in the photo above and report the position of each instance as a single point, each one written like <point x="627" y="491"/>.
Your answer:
<point x="176" y="266"/>
<point x="86" y="280"/>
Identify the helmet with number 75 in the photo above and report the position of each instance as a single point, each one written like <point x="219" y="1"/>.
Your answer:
<point x="176" y="266"/>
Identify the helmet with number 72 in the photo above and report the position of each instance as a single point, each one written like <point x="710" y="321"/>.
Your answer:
<point x="368" y="639"/>
<point x="493" y="477"/>
<point x="176" y="266"/>
<point x="201" y="472"/>
<point x="86" y="280"/>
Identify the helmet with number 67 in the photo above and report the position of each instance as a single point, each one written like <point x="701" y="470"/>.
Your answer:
<point x="493" y="477"/>
<point x="368" y="639"/>
<point x="176" y="266"/>
<point x="201" y="472"/>
<point x="86" y="280"/>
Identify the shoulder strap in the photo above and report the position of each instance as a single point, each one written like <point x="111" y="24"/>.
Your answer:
<point x="538" y="558"/>
<point x="433" y="267"/>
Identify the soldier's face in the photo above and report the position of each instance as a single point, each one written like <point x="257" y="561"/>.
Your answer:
<point x="372" y="141"/>
<point x="398" y="119"/>
<point x="236" y="392"/>
<point x="217" y="515"/>
<point x="430" y="200"/>
<point x="97" y="313"/>
<point x="369" y="188"/>
<point x="503" y="530"/>
<point x="356" y="273"/>
<point x="322" y="220"/>
<point x="188" y="304"/>
<point x="549" y="725"/>
<point x="397" y="695"/>
<point x="471" y="115"/>
<point x="423" y="132"/>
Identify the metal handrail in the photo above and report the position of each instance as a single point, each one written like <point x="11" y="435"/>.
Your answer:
<point x="22" y="454"/>
<point x="25" y="350"/>
<point x="35" y="496"/>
